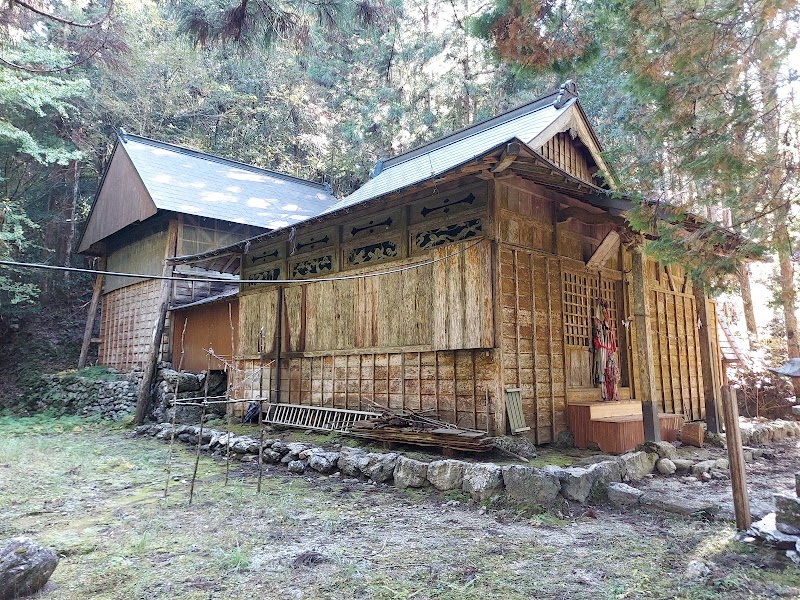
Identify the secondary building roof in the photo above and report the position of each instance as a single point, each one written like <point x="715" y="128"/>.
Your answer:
<point x="153" y="176"/>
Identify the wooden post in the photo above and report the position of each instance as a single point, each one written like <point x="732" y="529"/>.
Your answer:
<point x="143" y="398"/>
<point x="741" y="503"/>
<point x="710" y="380"/>
<point x="644" y="350"/>
<point x="90" y="318"/>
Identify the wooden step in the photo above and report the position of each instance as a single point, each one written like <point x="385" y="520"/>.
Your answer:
<point x="581" y="413"/>
<point x="619" y="434"/>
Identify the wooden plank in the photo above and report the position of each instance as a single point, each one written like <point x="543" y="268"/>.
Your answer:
<point x="646" y="389"/>
<point x="516" y="417"/>
<point x="741" y="503"/>
<point x="707" y="356"/>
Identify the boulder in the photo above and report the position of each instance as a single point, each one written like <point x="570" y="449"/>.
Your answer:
<point x="682" y="465"/>
<point x="323" y="462"/>
<point x="186" y="382"/>
<point x="722" y="463"/>
<point x="379" y="467"/>
<point x="296" y="448"/>
<point x="767" y="531"/>
<point x="25" y="567"/>
<point x="704" y="466"/>
<point x="351" y="460"/>
<point x="665" y="450"/>
<point x="446" y="474"/>
<point x="621" y="495"/>
<point x="635" y="465"/>
<point x="483" y="480"/>
<point x="271" y="457"/>
<point x="666" y="467"/>
<point x="529" y="484"/>
<point x="576" y="482"/>
<point x="296" y="466"/>
<point x="797" y="483"/>
<point x="678" y="505"/>
<point x="787" y="513"/>
<point x="410" y="473"/>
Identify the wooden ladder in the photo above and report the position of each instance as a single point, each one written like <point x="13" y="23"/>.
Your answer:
<point x="314" y="417"/>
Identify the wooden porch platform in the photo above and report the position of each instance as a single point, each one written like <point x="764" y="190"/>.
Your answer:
<point x="616" y="427"/>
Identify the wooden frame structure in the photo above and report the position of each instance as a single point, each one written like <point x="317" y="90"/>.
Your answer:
<point x="446" y="291"/>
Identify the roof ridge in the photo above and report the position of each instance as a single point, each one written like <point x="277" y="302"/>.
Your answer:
<point x="124" y="136"/>
<point x="470" y="130"/>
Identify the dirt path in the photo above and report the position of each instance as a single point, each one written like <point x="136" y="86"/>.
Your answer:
<point x="772" y="472"/>
<point x="95" y="496"/>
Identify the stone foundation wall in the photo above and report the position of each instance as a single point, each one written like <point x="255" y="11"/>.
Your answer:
<point x="111" y="397"/>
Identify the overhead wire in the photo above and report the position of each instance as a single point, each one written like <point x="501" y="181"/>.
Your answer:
<point x="11" y="263"/>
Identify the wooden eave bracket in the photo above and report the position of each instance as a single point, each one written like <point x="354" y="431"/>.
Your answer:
<point x="508" y="156"/>
<point x="607" y="248"/>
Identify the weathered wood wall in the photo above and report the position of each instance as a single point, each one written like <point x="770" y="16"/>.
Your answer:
<point x="126" y="325"/>
<point x="563" y="151"/>
<point x="207" y="326"/>
<point x="455" y="383"/>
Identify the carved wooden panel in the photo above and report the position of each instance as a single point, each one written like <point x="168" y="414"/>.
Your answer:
<point x="314" y="240"/>
<point x="443" y="206"/>
<point x="448" y="234"/>
<point x="264" y="255"/>
<point x="312" y="266"/>
<point x="374" y="225"/>
<point x="373" y="252"/>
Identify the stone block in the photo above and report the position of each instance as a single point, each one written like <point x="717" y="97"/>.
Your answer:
<point x="797" y="483"/>
<point x="704" y="466"/>
<point x="410" y="473"/>
<point x="296" y="466"/>
<point x="576" y="483"/>
<point x="665" y="450"/>
<point x="677" y="505"/>
<point x="666" y="467"/>
<point x="446" y="474"/>
<point x="529" y="484"/>
<point x="323" y="462"/>
<point x="787" y="513"/>
<point x="351" y="461"/>
<point x="766" y="529"/>
<point x="483" y="480"/>
<point x="379" y="467"/>
<point x="622" y="495"/>
<point x="682" y="465"/>
<point x="635" y="465"/>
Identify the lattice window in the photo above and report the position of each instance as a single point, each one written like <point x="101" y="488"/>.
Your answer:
<point x="608" y="292"/>
<point x="580" y="291"/>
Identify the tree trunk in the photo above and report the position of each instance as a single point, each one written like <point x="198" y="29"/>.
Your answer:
<point x="743" y="273"/>
<point x="783" y="244"/>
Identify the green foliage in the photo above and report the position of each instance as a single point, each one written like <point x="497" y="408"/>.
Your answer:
<point x="15" y="229"/>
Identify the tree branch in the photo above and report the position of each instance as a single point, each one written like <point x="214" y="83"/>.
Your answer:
<point x="62" y="19"/>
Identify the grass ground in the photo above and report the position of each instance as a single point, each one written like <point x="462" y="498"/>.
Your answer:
<point x="95" y="494"/>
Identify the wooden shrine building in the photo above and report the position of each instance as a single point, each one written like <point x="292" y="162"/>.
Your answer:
<point x="491" y="248"/>
<point x="157" y="200"/>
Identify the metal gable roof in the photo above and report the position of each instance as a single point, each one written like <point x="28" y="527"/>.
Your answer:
<point x="190" y="182"/>
<point x="524" y="123"/>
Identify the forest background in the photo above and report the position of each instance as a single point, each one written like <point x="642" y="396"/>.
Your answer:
<point x="695" y="104"/>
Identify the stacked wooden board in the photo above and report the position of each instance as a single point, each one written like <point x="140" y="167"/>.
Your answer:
<point x="421" y="429"/>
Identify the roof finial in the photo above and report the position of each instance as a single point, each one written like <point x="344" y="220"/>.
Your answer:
<point x="122" y="133"/>
<point x="566" y="92"/>
<point x="378" y="167"/>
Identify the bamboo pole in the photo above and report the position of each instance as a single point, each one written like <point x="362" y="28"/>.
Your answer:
<point x="90" y="318"/>
<point x="173" y="420"/>
<point x="200" y="432"/>
<point x="144" y="396"/>
<point x="741" y="502"/>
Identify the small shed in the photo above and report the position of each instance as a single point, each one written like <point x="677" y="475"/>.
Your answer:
<point x="158" y="200"/>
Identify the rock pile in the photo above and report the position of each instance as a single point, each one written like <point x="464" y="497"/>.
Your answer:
<point x="781" y="529"/>
<point x="481" y="481"/>
<point x="188" y="385"/>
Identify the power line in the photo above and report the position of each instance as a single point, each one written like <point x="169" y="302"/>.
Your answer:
<point x="10" y="263"/>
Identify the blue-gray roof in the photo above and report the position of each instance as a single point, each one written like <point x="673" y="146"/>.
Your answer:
<point x="191" y="182"/>
<point x="525" y="123"/>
